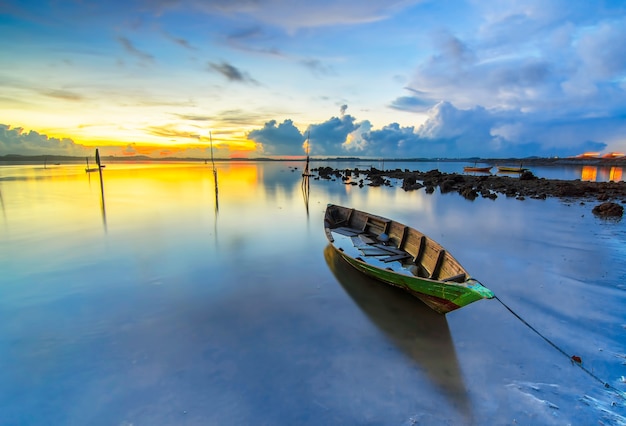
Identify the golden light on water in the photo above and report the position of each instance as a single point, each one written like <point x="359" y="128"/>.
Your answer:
<point x="589" y="173"/>
<point x="615" y="174"/>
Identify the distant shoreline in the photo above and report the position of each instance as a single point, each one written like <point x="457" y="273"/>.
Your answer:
<point x="13" y="159"/>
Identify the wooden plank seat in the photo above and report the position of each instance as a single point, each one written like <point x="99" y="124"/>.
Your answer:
<point x="396" y="257"/>
<point x="373" y="251"/>
<point x="390" y="249"/>
<point x="348" y="232"/>
<point x="460" y="278"/>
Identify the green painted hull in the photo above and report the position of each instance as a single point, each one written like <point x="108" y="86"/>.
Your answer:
<point x="404" y="258"/>
<point x="441" y="296"/>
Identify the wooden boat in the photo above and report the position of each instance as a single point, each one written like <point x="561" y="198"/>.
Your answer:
<point x="401" y="256"/>
<point x="507" y="169"/>
<point x="477" y="169"/>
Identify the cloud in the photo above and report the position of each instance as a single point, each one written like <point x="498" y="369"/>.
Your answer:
<point x="328" y="137"/>
<point x="231" y="72"/>
<point x="130" y="48"/>
<point x="411" y="104"/>
<point x="18" y="141"/>
<point x="531" y="60"/>
<point x="296" y="14"/>
<point x="62" y="94"/>
<point x="448" y="132"/>
<point x="317" y="67"/>
<point x="281" y="139"/>
<point x="171" y="131"/>
<point x="180" y="41"/>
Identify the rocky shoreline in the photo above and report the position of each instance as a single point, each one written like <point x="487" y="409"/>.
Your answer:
<point x="527" y="185"/>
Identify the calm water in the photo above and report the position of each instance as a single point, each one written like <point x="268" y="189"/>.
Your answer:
<point x="175" y="304"/>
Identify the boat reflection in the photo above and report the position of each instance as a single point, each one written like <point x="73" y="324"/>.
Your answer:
<point x="421" y="333"/>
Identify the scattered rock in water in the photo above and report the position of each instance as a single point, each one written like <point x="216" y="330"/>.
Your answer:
<point x="527" y="175"/>
<point x="608" y="210"/>
<point x="469" y="193"/>
<point x="409" y="183"/>
<point x="487" y="186"/>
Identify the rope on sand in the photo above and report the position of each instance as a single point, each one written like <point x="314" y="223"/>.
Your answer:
<point x="573" y="358"/>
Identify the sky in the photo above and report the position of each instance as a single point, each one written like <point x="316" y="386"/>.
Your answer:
<point x="269" y="78"/>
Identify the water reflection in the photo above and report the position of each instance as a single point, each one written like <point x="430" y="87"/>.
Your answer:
<point x="102" y="201"/>
<point x="601" y="174"/>
<point x="421" y="333"/>
<point x="305" y="192"/>
<point x="589" y="173"/>
<point x="217" y="200"/>
<point x="615" y="174"/>
<point x="2" y="205"/>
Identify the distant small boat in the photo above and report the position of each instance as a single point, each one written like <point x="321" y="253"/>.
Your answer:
<point x="507" y="169"/>
<point x="477" y="169"/>
<point x="403" y="257"/>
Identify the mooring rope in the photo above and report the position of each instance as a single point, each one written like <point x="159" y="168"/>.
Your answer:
<point x="574" y="359"/>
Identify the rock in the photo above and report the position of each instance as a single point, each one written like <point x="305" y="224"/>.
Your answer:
<point x="468" y="192"/>
<point x="447" y="186"/>
<point x="376" y="180"/>
<point x="410" y="183"/>
<point x="608" y="210"/>
<point x="526" y="186"/>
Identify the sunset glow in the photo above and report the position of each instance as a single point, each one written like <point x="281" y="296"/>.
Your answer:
<point x="399" y="79"/>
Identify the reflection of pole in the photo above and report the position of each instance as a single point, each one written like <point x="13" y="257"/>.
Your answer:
<point x="305" y="192"/>
<point x="104" y="214"/>
<point x="306" y="167"/>
<point x="217" y="203"/>
<point x="4" y="215"/>
<point x="214" y="176"/>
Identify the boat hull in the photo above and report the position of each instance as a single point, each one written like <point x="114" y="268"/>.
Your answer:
<point x="451" y="290"/>
<point x="477" y="169"/>
<point x="504" y="169"/>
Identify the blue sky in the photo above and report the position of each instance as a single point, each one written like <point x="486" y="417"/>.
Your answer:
<point x="377" y="78"/>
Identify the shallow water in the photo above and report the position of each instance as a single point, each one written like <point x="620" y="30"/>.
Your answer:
<point x="175" y="304"/>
